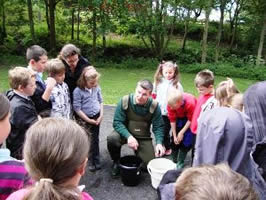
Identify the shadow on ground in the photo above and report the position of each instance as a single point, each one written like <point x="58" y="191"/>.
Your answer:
<point x="101" y="186"/>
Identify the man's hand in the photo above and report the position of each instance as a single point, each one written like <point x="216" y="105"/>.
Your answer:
<point x="159" y="150"/>
<point x="132" y="143"/>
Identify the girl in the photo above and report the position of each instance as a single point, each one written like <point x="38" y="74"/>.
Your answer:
<point x="88" y="105"/>
<point x="13" y="175"/>
<point x="165" y="78"/>
<point x="55" y="154"/>
<point x="224" y="91"/>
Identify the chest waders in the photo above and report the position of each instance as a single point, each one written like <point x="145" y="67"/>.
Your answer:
<point x="139" y="127"/>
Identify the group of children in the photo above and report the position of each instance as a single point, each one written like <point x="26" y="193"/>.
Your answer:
<point x="31" y="99"/>
<point x="181" y="110"/>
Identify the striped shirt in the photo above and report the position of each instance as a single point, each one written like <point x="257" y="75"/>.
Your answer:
<point x="13" y="175"/>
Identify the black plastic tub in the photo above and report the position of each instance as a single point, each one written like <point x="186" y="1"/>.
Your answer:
<point x="130" y="170"/>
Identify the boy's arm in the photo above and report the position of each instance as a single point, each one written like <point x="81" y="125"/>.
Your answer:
<point x="181" y="133"/>
<point x="50" y="83"/>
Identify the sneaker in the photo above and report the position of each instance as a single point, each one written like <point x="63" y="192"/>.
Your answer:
<point x="168" y="152"/>
<point x="115" y="170"/>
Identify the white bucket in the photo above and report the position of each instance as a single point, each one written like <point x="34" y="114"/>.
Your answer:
<point x="157" y="168"/>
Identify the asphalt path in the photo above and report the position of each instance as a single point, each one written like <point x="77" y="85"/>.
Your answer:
<point x="101" y="186"/>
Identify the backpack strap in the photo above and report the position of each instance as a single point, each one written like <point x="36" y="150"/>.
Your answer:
<point x="125" y="100"/>
<point x="153" y="106"/>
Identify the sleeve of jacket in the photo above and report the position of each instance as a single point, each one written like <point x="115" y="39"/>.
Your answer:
<point x="119" y="123"/>
<point x="158" y="125"/>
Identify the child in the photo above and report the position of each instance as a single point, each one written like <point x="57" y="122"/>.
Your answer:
<point x="180" y="110"/>
<point x="37" y="58"/>
<point x="55" y="154"/>
<point x="60" y="97"/>
<point x="13" y="175"/>
<point x="204" y="82"/>
<point x="213" y="182"/>
<point x="88" y="105"/>
<point x="224" y="91"/>
<point x="23" y="112"/>
<point x="236" y="101"/>
<point x="165" y="78"/>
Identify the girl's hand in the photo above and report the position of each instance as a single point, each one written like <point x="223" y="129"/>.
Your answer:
<point x="176" y="140"/>
<point x="92" y="121"/>
<point x="99" y="120"/>
<point x="180" y="137"/>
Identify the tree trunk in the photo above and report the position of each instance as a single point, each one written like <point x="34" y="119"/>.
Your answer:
<point x="72" y="23"/>
<point x="186" y="30"/>
<point x="78" y="22"/>
<point x="220" y="30"/>
<point x="104" y="42"/>
<point x="3" y="25"/>
<point x="52" y="5"/>
<point x="47" y="15"/>
<point x="262" y="35"/>
<point x="94" y="34"/>
<point x="31" y="21"/>
<point x="205" y="34"/>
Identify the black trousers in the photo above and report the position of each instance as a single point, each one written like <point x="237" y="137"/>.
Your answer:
<point x="93" y="136"/>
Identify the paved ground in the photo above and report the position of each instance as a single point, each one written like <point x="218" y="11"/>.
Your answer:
<point x="101" y="185"/>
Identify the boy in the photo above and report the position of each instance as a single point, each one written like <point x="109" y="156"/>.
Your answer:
<point x="37" y="59"/>
<point x="180" y="110"/>
<point x="204" y="82"/>
<point x="23" y="112"/>
<point x="60" y="98"/>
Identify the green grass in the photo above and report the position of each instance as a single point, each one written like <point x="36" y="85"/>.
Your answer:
<point x="117" y="82"/>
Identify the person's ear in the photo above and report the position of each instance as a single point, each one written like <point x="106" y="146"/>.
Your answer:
<point x="32" y="62"/>
<point x="82" y="168"/>
<point x="20" y="88"/>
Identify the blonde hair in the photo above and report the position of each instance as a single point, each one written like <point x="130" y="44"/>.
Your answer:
<point x="54" y="149"/>
<point x="55" y="66"/>
<point x="217" y="182"/>
<point x="159" y="72"/>
<point x="174" y="95"/>
<point x="204" y="78"/>
<point x="225" y="90"/>
<point x="20" y="76"/>
<point x="236" y="101"/>
<point x="88" y="74"/>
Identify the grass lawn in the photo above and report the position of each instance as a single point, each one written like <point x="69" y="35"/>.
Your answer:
<point x="116" y="83"/>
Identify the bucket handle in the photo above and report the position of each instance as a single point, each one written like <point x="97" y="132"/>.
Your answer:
<point x="149" y="169"/>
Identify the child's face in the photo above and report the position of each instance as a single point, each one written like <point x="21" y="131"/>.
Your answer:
<point x="60" y="77"/>
<point x="177" y="105"/>
<point x="92" y="83"/>
<point x="5" y="128"/>
<point x="40" y="65"/>
<point x="168" y="72"/>
<point x="202" y="90"/>
<point x="30" y="88"/>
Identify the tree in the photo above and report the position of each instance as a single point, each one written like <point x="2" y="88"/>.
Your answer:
<point x="155" y="22"/>
<point x="3" y="33"/>
<point x="222" y="5"/>
<point x="208" y="9"/>
<point x="51" y="5"/>
<point x="31" y="22"/>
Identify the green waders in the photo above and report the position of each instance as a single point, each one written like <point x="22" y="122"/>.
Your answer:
<point x="139" y="127"/>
